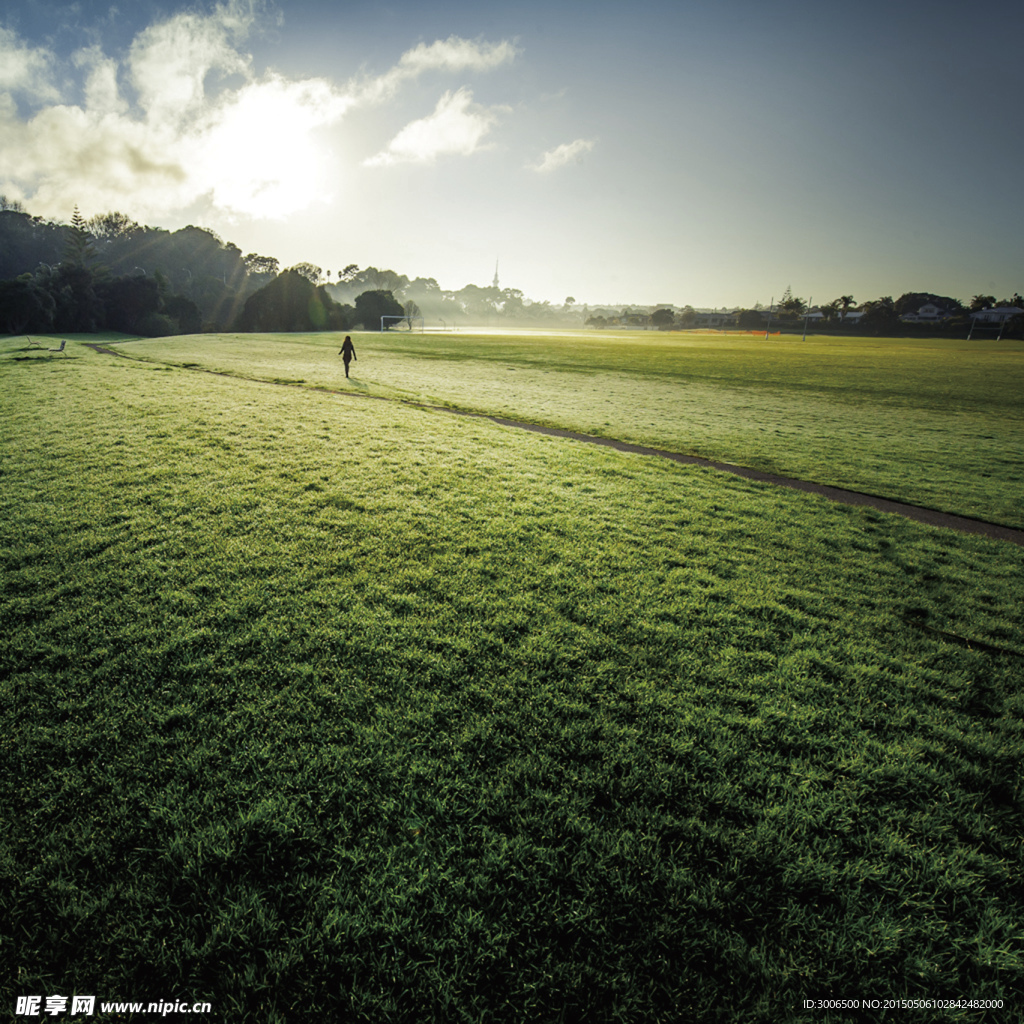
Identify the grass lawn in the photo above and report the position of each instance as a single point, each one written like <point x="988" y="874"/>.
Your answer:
<point x="938" y="423"/>
<point x="319" y="708"/>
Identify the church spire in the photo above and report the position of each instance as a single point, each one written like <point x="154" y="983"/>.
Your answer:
<point x="496" y="285"/>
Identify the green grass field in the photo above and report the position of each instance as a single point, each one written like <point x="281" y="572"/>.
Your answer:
<point x="324" y="708"/>
<point x="937" y="423"/>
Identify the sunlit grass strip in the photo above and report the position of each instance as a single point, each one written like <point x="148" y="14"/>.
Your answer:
<point x="933" y="422"/>
<point x="360" y="710"/>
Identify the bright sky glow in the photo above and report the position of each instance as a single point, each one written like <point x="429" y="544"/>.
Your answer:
<point x="708" y="152"/>
<point x="260" y="154"/>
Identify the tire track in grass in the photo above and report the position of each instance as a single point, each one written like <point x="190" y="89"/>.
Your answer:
<point x="932" y="517"/>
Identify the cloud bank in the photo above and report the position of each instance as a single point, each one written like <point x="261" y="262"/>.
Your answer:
<point x="183" y="118"/>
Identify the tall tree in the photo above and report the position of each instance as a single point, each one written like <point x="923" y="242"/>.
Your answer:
<point x="372" y="305"/>
<point x="291" y="302"/>
<point x="185" y="313"/>
<point x="127" y="300"/>
<point x="383" y="280"/>
<point x="259" y="266"/>
<point x="26" y="306"/>
<point x="79" y="309"/>
<point x="309" y="271"/>
<point x="111" y="225"/>
<point x="511" y="303"/>
<point x="880" y="316"/>
<point x="790" y="305"/>
<point x="480" y="303"/>
<point x="78" y="247"/>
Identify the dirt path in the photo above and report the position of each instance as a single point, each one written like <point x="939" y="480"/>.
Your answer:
<point x="922" y="515"/>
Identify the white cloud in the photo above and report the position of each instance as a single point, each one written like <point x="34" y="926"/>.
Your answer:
<point x="184" y="118"/>
<point x="561" y="155"/>
<point x="25" y="70"/>
<point x="250" y="148"/>
<point x="67" y="155"/>
<point x="101" y="90"/>
<point x="169" y="62"/>
<point x="457" y="125"/>
<point x="451" y="54"/>
<point x="455" y="54"/>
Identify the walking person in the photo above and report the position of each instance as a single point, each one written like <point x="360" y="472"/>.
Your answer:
<point x="348" y="353"/>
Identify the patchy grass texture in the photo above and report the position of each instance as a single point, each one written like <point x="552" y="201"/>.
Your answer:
<point x="938" y="423"/>
<point x="322" y="707"/>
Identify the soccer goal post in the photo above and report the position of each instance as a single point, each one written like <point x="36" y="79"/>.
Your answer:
<point x="387" y="322"/>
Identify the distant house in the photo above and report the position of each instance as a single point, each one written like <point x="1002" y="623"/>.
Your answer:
<point x="817" y="316"/>
<point x="636" y="319"/>
<point x="929" y="313"/>
<point x="716" y="319"/>
<point x="995" y="315"/>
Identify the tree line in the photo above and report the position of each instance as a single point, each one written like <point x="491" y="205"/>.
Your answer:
<point x="886" y="315"/>
<point x="111" y="273"/>
<point x="883" y="317"/>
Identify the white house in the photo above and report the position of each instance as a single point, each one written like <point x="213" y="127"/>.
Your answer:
<point x="929" y="313"/>
<point x="851" y="317"/>
<point x="816" y="316"/>
<point x="996" y="315"/>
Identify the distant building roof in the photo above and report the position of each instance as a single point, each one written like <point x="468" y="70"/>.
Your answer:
<point x="997" y="314"/>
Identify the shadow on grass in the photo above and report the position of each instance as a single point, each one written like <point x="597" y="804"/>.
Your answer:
<point x="40" y="357"/>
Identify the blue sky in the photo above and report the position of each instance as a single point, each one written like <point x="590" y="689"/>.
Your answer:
<point x="709" y="152"/>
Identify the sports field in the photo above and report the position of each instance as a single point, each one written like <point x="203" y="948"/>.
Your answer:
<point x="938" y="423"/>
<point x="316" y="707"/>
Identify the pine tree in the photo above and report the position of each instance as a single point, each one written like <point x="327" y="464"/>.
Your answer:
<point x="79" y="308"/>
<point x="78" y="247"/>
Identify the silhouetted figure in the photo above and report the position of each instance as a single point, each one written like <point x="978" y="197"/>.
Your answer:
<point x="348" y="353"/>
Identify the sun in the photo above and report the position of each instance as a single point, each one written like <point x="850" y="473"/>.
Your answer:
<point x="263" y="153"/>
